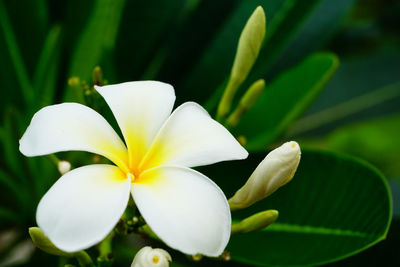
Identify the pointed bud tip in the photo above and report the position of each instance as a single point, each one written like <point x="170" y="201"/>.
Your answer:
<point x="259" y="12"/>
<point x="289" y="148"/>
<point x="259" y="9"/>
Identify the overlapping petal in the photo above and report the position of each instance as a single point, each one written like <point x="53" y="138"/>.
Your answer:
<point x="140" y="109"/>
<point x="190" y="137"/>
<point x="72" y="126"/>
<point x="184" y="208"/>
<point x="83" y="206"/>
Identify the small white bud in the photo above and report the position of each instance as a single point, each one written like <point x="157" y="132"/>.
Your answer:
<point x="63" y="166"/>
<point x="149" y="257"/>
<point x="276" y="170"/>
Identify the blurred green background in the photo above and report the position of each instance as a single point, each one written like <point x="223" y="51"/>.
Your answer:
<point x="191" y="44"/>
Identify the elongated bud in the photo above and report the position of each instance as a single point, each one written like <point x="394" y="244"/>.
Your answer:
<point x="255" y="222"/>
<point x="148" y="257"/>
<point x="41" y="241"/>
<point x="249" y="46"/>
<point x="97" y="76"/>
<point x="246" y="102"/>
<point x="274" y="171"/>
<point x="63" y="166"/>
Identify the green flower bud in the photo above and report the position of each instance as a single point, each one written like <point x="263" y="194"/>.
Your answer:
<point x="274" y="171"/>
<point x="97" y="76"/>
<point x="41" y="241"/>
<point x="249" y="46"/>
<point x="255" y="222"/>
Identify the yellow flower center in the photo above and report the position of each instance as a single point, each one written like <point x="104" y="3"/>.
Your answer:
<point x="156" y="259"/>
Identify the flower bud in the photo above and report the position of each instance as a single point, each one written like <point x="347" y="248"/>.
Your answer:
<point x="148" y="257"/>
<point x="274" y="171"/>
<point x="246" y="102"/>
<point x="249" y="46"/>
<point x="255" y="222"/>
<point x="63" y="166"/>
<point x="41" y="241"/>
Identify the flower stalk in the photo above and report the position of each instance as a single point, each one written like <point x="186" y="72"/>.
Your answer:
<point x="246" y="102"/>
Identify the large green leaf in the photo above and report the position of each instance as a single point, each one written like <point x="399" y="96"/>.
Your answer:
<point x="350" y="96"/>
<point x="285" y="99"/>
<point x="334" y="207"/>
<point x="376" y="140"/>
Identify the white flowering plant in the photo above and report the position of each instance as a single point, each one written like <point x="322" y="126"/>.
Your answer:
<point x="121" y="170"/>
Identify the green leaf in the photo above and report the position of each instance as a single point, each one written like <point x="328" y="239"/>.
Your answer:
<point x="30" y="34"/>
<point x="45" y="77"/>
<point x="12" y="188"/>
<point x="334" y="207"/>
<point x="346" y="109"/>
<point x="376" y="140"/>
<point x="8" y="215"/>
<point x="97" y="38"/>
<point x="9" y="135"/>
<point x="147" y="29"/>
<point x="285" y="99"/>
<point x="16" y="57"/>
<point x="349" y="96"/>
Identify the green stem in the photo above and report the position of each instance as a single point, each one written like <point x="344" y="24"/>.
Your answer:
<point x="105" y="246"/>
<point x="16" y="57"/>
<point x="83" y="259"/>
<point x="53" y="158"/>
<point x="145" y="229"/>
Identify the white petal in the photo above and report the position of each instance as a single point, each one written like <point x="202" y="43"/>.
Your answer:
<point x="190" y="137"/>
<point x="71" y="126"/>
<point x="83" y="206"/>
<point x="184" y="208"/>
<point x="140" y="109"/>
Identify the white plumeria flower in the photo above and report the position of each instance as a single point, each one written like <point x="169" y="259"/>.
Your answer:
<point x="149" y="257"/>
<point x="184" y="208"/>
<point x="276" y="170"/>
